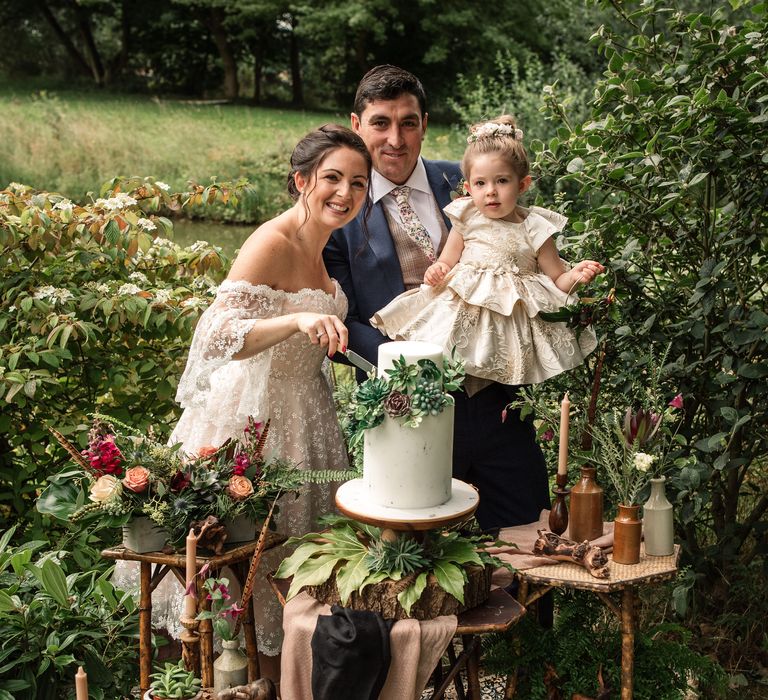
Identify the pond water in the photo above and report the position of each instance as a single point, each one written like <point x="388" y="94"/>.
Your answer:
<point x="229" y="236"/>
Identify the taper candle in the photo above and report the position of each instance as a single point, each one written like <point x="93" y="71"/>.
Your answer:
<point x="81" y="684"/>
<point x="565" y="409"/>
<point x="190" y="602"/>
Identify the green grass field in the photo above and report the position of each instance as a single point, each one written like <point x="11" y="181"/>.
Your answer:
<point x="71" y="142"/>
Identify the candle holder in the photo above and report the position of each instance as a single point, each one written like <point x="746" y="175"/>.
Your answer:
<point x="190" y="644"/>
<point x="558" y="516"/>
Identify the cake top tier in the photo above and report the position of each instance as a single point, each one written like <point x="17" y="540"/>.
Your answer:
<point x="411" y="350"/>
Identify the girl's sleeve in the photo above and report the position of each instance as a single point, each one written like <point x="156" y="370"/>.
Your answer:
<point x="459" y="212"/>
<point x="542" y="224"/>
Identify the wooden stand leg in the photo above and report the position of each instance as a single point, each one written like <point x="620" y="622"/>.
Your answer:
<point x="145" y="626"/>
<point x="206" y="638"/>
<point x="627" y="642"/>
<point x="472" y="644"/>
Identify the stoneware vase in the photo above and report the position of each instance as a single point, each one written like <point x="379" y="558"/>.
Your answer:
<point x="586" y="518"/>
<point x="240" y="529"/>
<point x="627" y="533"/>
<point x="231" y="666"/>
<point x="141" y="535"/>
<point x="658" y="525"/>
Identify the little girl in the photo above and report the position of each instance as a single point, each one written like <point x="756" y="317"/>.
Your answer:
<point x="499" y="268"/>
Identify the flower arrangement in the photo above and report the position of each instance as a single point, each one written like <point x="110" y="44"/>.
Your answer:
<point x="409" y="392"/>
<point x="122" y="474"/>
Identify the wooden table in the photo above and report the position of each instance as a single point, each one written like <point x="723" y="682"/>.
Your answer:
<point x="497" y="614"/>
<point x="618" y="593"/>
<point x="237" y="557"/>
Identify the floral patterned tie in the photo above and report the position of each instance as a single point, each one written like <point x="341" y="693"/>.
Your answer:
<point x="411" y="222"/>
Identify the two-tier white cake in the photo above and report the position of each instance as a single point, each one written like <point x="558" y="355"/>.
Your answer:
<point x="406" y="467"/>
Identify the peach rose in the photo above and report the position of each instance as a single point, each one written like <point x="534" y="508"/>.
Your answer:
<point x="239" y="487"/>
<point x="136" y="479"/>
<point x="207" y="451"/>
<point x="104" y="488"/>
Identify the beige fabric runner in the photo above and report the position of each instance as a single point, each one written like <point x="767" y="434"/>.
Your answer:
<point x="522" y="556"/>
<point x="416" y="647"/>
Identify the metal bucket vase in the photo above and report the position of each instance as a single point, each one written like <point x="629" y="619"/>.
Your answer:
<point x="627" y="533"/>
<point x="658" y="522"/>
<point x="141" y="535"/>
<point x="240" y="529"/>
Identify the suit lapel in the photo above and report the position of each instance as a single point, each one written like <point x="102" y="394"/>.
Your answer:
<point x="383" y="250"/>
<point x="441" y="187"/>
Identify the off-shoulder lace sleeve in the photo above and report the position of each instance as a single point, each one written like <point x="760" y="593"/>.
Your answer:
<point x="217" y="392"/>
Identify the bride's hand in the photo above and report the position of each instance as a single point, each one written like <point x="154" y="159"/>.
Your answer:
<point x="325" y="330"/>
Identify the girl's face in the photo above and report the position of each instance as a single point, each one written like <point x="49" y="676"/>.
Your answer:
<point x="494" y="186"/>
<point x="336" y="190"/>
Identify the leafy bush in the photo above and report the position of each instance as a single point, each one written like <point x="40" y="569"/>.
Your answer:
<point x="52" y="623"/>
<point x="96" y="312"/>
<point x="672" y="178"/>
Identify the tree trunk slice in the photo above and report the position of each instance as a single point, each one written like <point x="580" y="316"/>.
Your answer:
<point x="434" y="601"/>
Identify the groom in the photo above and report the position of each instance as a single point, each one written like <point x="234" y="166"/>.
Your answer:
<point x="378" y="257"/>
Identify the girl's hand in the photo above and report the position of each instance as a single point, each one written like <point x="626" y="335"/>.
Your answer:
<point x="436" y="272"/>
<point x="325" y="330"/>
<point x="585" y="271"/>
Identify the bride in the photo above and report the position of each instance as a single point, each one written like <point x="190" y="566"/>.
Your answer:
<point x="258" y="349"/>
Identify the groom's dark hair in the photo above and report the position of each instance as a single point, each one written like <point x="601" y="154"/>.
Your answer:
<point x="388" y="82"/>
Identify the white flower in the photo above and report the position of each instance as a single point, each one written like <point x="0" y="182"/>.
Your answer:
<point x="492" y="129"/>
<point x="56" y="295"/>
<point x="128" y="290"/>
<point x="119" y="201"/>
<point x="643" y="461"/>
<point x="194" y="302"/>
<point x="64" y="205"/>
<point x="162" y="185"/>
<point x="162" y="243"/>
<point x="17" y="187"/>
<point x="197" y="246"/>
<point x="162" y="296"/>
<point x="147" y="224"/>
<point x="138" y="277"/>
<point x="104" y="488"/>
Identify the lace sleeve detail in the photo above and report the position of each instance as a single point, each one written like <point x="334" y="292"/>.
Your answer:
<point x="211" y="374"/>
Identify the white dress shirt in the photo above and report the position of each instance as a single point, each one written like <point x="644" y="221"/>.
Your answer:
<point x="421" y="199"/>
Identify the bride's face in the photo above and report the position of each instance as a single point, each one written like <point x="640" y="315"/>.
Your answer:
<point x="337" y="189"/>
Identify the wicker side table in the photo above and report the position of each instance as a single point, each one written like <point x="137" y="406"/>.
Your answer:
<point x="618" y="593"/>
<point x="155" y="566"/>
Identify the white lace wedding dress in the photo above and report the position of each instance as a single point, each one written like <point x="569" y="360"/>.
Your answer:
<point x="286" y="384"/>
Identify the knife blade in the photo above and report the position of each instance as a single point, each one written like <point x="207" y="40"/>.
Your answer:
<point x="359" y="362"/>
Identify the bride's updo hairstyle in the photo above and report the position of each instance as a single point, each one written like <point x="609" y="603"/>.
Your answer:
<point x="499" y="135"/>
<point x="316" y="145"/>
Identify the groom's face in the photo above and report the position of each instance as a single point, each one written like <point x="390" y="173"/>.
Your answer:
<point x="393" y="131"/>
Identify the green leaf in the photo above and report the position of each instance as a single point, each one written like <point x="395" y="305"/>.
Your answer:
<point x="60" y="497"/>
<point x="112" y="232"/>
<point x="451" y="579"/>
<point x="351" y="576"/>
<point x="411" y="595"/>
<point x="313" y="573"/>
<point x="576" y="165"/>
<point x="290" y="565"/>
<point x="460" y="552"/>
<point x="55" y="583"/>
<point x="6" y="602"/>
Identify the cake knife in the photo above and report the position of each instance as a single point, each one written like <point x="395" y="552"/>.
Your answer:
<point x="359" y="362"/>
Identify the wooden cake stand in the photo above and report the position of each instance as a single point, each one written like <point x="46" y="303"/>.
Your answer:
<point x="352" y="500"/>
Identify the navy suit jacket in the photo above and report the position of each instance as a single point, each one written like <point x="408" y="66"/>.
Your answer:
<point x="361" y="257"/>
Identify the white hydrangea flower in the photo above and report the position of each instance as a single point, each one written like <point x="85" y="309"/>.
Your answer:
<point x="162" y="185"/>
<point x="119" y="201"/>
<point x="162" y="296"/>
<point x="128" y="289"/>
<point x="643" y="461"/>
<point x="4" y="198"/>
<point x="162" y="243"/>
<point x="194" y="302"/>
<point x="56" y="295"/>
<point x="64" y="205"/>
<point x="146" y="224"/>
<point x="139" y="277"/>
<point x="197" y="246"/>
<point x="17" y="187"/>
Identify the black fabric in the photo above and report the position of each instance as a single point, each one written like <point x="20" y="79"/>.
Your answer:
<point x="503" y="460"/>
<point x="350" y="655"/>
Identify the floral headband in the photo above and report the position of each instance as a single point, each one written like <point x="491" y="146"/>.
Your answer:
<point x="492" y="129"/>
